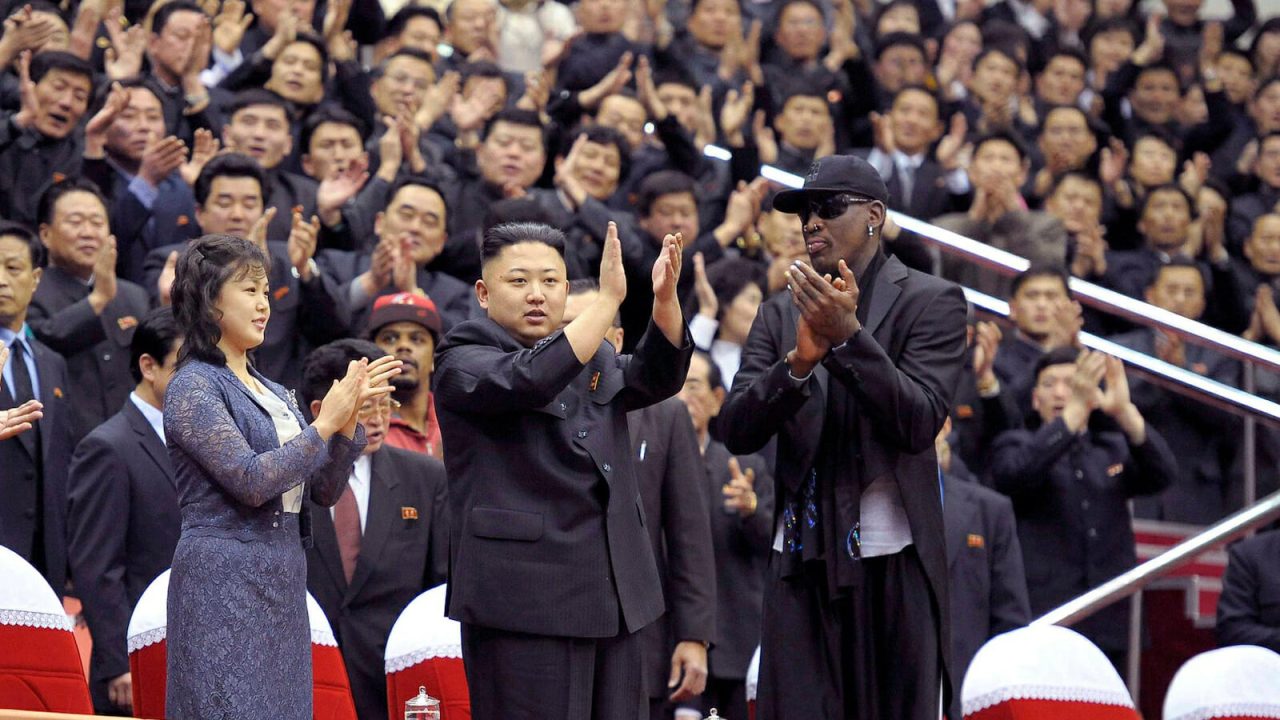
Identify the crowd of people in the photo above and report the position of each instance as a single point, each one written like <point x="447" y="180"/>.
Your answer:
<point x="366" y="149"/>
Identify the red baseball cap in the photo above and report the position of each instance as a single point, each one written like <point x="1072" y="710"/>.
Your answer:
<point x="404" y="307"/>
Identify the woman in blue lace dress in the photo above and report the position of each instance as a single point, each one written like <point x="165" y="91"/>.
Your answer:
<point x="239" y="644"/>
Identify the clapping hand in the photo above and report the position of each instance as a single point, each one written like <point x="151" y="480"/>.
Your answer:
<point x="666" y="269"/>
<point x="16" y="421"/>
<point x="739" y="493"/>
<point x="829" y="308"/>
<point x="363" y="382"/>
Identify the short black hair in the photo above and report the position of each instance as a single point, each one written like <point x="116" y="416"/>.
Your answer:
<point x="1002" y="50"/>
<point x="329" y="114"/>
<point x="900" y="38"/>
<point x="328" y="363"/>
<point x="1160" y="66"/>
<point x="513" y="116"/>
<point x="1241" y="54"/>
<point x="381" y="68"/>
<point x="798" y="87"/>
<point x="483" y="69"/>
<point x="1088" y="121"/>
<point x="204" y="267"/>
<point x="1040" y="271"/>
<point x="155" y="336"/>
<point x="229" y="165"/>
<point x="1002" y="135"/>
<point x="1109" y="25"/>
<point x="730" y="276"/>
<point x="46" y="62"/>
<point x="24" y="233"/>
<point x="1079" y="175"/>
<point x="715" y="378"/>
<point x="1166" y="188"/>
<point x="937" y="101"/>
<point x="400" y="20"/>
<point x="673" y="74"/>
<point x="257" y="96"/>
<point x="1266" y="83"/>
<point x="166" y="11"/>
<point x="501" y="236"/>
<point x="513" y="210"/>
<point x="1065" y="355"/>
<point x="143" y="82"/>
<point x="658" y="184"/>
<point x="49" y="200"/>
<point x="415" y="181"/>
<point x="782" y="7"/>
<point x="1068" y="52"/>
<point x="1180" y="261"/>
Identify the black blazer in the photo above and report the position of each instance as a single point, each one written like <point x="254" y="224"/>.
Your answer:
<point x="1070" y="495"/>
<point x="404" y="551"/>
<point x="122" y="526"/>
<point x="668" y="468"/>
<point x="34" y="505"/>
<point x="1249" y="607"/>
<point x="900" y="371"/>
<point x="984" y="562"/>
<point x="96" y="346"/>
<point x="544" y="501"/>
<point x="742" y="547"/>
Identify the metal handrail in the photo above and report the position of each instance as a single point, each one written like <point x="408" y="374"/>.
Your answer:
<point x="1180" y="379"/>
<point x="1128" y="583"/>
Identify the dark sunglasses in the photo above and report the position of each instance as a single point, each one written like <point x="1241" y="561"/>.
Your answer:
<point x="831" y="206"/>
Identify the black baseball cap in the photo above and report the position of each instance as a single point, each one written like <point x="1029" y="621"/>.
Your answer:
<point x="834" y="174"/>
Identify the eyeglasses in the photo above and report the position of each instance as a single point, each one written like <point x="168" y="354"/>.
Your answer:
<point x="831" y="206"/>
<point x="382" y="407"/>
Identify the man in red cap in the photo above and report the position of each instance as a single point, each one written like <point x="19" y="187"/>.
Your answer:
<point x="407" y="325"/>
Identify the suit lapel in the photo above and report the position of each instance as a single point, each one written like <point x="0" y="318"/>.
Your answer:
<point x="149" y="440"/>
<point x="957" y="507"/>
<point x="379" y="517"/>
<point x="886" y="293"/>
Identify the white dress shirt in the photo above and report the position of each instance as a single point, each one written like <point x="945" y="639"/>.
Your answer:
<point x="154" y="417"/>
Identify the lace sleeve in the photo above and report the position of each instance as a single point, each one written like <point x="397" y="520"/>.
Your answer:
<point x="197" y="420"/>
<point x="326" y="485"/>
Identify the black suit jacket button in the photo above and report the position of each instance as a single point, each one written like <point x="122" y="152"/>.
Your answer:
<point x="607" y="468"/>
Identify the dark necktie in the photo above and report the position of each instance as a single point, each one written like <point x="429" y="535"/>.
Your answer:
<point x="346" y="524"/>
<point x="22" y="392"/>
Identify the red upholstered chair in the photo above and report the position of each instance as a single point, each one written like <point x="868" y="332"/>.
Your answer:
<point x="39" y="662"/>
<point x="1231" y="683"/>
<point x="146" y="636"/>
<point x="331" y="689"/>
<point x="753" y="683"/>
<point x="1044" y="673"/>
<point x="425" y="650"/>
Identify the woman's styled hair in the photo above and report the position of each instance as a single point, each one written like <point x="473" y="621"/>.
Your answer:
<point x="204" y="267"/>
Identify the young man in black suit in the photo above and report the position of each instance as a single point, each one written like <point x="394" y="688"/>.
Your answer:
<point x="33" y="515"/>
<point x="669" y="465"/>
<point x="386" y="541"/>
<point x="123" y="519"/>
<point x="552" y="571"/>
<point x="854" y="375"/>
<point x="81" y="309"/>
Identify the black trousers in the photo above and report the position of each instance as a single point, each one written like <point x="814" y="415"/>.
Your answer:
<point x="516" y="676"/>
<point x="872" y="656"/>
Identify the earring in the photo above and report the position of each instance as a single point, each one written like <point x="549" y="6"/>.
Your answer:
<point x="871" y="230"/>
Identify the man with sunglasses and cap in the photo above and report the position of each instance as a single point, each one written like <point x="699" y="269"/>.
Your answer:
<point x="408" y="326"/>
<point x="853" y="371"/>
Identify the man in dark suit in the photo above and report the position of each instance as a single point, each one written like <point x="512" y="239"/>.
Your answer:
<point x="1070" y="477"/>
<point x="33" y="515"/>
<point x="984" y="563"/>
<point x="81" y="309"/>
<point x="668" y="465"/>
<point x="552" y="573"/>
<point x="307" y="309"/>
<point x="741" y="532"/>
<point x="123" y="519"/>
<point x="855" y="377"/>
<point x="1248" y="611"/>
<point x="386" y="541"/>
